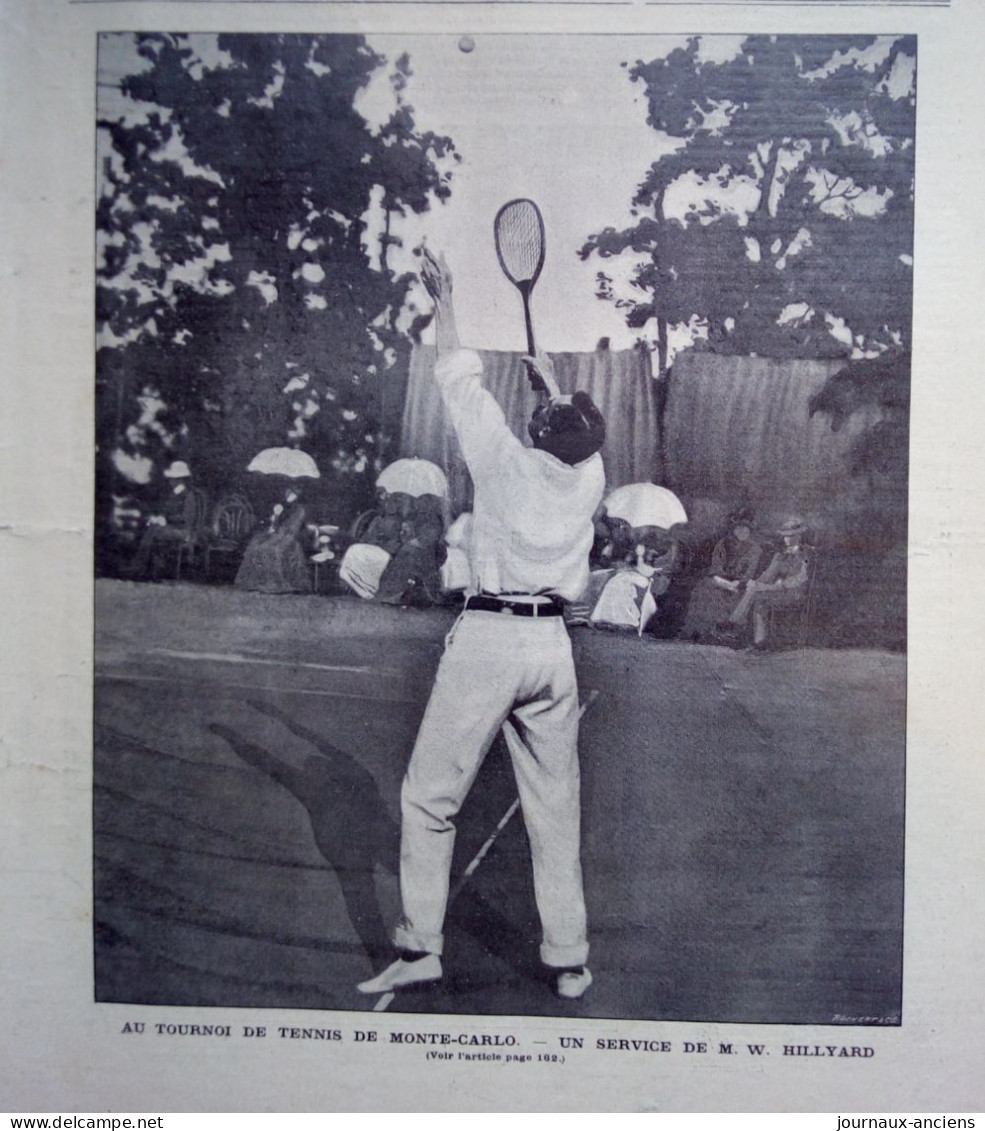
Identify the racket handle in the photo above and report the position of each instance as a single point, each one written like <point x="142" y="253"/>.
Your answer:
<point x="531" y="347"/>
<point x="536" y="384"/>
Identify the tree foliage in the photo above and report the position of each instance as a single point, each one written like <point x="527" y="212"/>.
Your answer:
<point x="782" y="209"/>
<point x="244" y="235"/>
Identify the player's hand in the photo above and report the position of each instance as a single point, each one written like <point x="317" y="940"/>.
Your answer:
<point x="540" y="374"/>
<point x="436" y="275"/>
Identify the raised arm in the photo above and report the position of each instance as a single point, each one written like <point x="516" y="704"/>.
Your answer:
<point x="437" y="280"/>
<point x="475" y="415"/>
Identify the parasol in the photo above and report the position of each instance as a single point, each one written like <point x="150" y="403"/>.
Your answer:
<point x="645" y="504"/>
<point x="289" y="462"/>
<point x="414" y="477"/>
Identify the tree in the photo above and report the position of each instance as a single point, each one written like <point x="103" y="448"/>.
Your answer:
<point x="879" y="457"/>
<point x="244" y="234"/>
<point x="780" y="217"/>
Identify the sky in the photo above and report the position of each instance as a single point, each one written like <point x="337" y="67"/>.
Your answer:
<point x="553" y="118"/>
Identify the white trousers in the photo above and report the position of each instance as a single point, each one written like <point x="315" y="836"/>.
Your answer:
<point x="496" y="665"/>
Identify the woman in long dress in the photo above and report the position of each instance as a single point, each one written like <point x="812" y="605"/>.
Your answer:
<point x="734" y="561"/>
<point x="412" y="575"/>
<point x="274" y="561"/>
<point x="364" y="562"/>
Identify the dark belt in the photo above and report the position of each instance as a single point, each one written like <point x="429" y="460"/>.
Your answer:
<point x="488" y="604"/>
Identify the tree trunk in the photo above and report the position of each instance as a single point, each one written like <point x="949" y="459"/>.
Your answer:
<point x="658" y="211"/>
<point x="661" y="347"/>
<point x="385" y="238"/>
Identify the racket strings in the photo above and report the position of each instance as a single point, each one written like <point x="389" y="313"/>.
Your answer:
<point x="520" y="241"/>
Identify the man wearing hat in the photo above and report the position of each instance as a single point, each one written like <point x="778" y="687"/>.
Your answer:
<point x="782" y="585"/>
<point x="508" y="655"/>
<point x="168" y="525"/>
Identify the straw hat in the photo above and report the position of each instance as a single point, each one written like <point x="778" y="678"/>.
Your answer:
<point x="793" y="524"/>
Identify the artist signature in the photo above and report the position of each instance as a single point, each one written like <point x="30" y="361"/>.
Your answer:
<point x="846" y="1019"/>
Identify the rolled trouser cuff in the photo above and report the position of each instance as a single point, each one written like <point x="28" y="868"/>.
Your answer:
<point x="406" y="938"/>
<point x="575" y="954"/>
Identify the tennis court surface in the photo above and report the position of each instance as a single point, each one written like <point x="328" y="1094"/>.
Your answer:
<point x="742" y="819"/>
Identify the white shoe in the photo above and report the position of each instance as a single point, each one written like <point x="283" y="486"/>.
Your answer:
<point x="571" y="985"/>
<point x="401" y="974"/>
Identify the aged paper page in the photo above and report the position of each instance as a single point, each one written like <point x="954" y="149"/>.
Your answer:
<point x="201" y="782"/>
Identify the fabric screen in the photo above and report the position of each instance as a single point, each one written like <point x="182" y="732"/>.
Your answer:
<point x="620" y="383"/>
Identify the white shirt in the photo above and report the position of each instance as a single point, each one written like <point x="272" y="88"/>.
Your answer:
<point x="532" y="516"/>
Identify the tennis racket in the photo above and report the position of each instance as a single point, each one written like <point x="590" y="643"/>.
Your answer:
<point x="520" y="247"/>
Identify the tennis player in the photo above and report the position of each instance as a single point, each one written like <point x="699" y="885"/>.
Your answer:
<point x="507" y="655"/>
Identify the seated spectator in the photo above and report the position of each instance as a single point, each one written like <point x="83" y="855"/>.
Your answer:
<point x="401" y="569"/>
<point x="412" y="575"/>
<point x="613" y="548"/>
<point x="274" y="561"/>
<point x="384" y="529"/>
<point x="426" y="514"/>
<point x="168" y="525"/>
<point x="617" y="541"/>
<point x="782" y="585"/>
<point x="364" y="561"/>
<point x="628" y="598"/>
<point x="734" y="561"/>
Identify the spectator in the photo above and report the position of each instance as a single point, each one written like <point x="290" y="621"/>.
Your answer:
<point x="612" y="548"/>
<point x="782" y="585"/>
<point x="629" y="598"/>
<point x="170" y="525"/>
<point x="274" y="561"/>
<point x="364" y="562"/>
<point x="412" y="574"/>
<point x="734" y="561"/>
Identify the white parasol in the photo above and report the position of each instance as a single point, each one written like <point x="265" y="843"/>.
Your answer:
<point x="289" y="462"/>
<point x="414" y="477"/>
<point x="645" y="504"/>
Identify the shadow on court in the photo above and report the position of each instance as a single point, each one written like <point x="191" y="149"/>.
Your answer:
<point x="348" y="821"/>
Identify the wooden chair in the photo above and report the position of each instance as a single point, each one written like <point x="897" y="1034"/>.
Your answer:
<point x="324" y="574"/>
<point x="792" y="625"/>
<point x="360" y="524"/>
<point x="233" y="521"/>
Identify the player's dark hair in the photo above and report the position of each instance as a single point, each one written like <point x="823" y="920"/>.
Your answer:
<point x="570" y="431"/>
